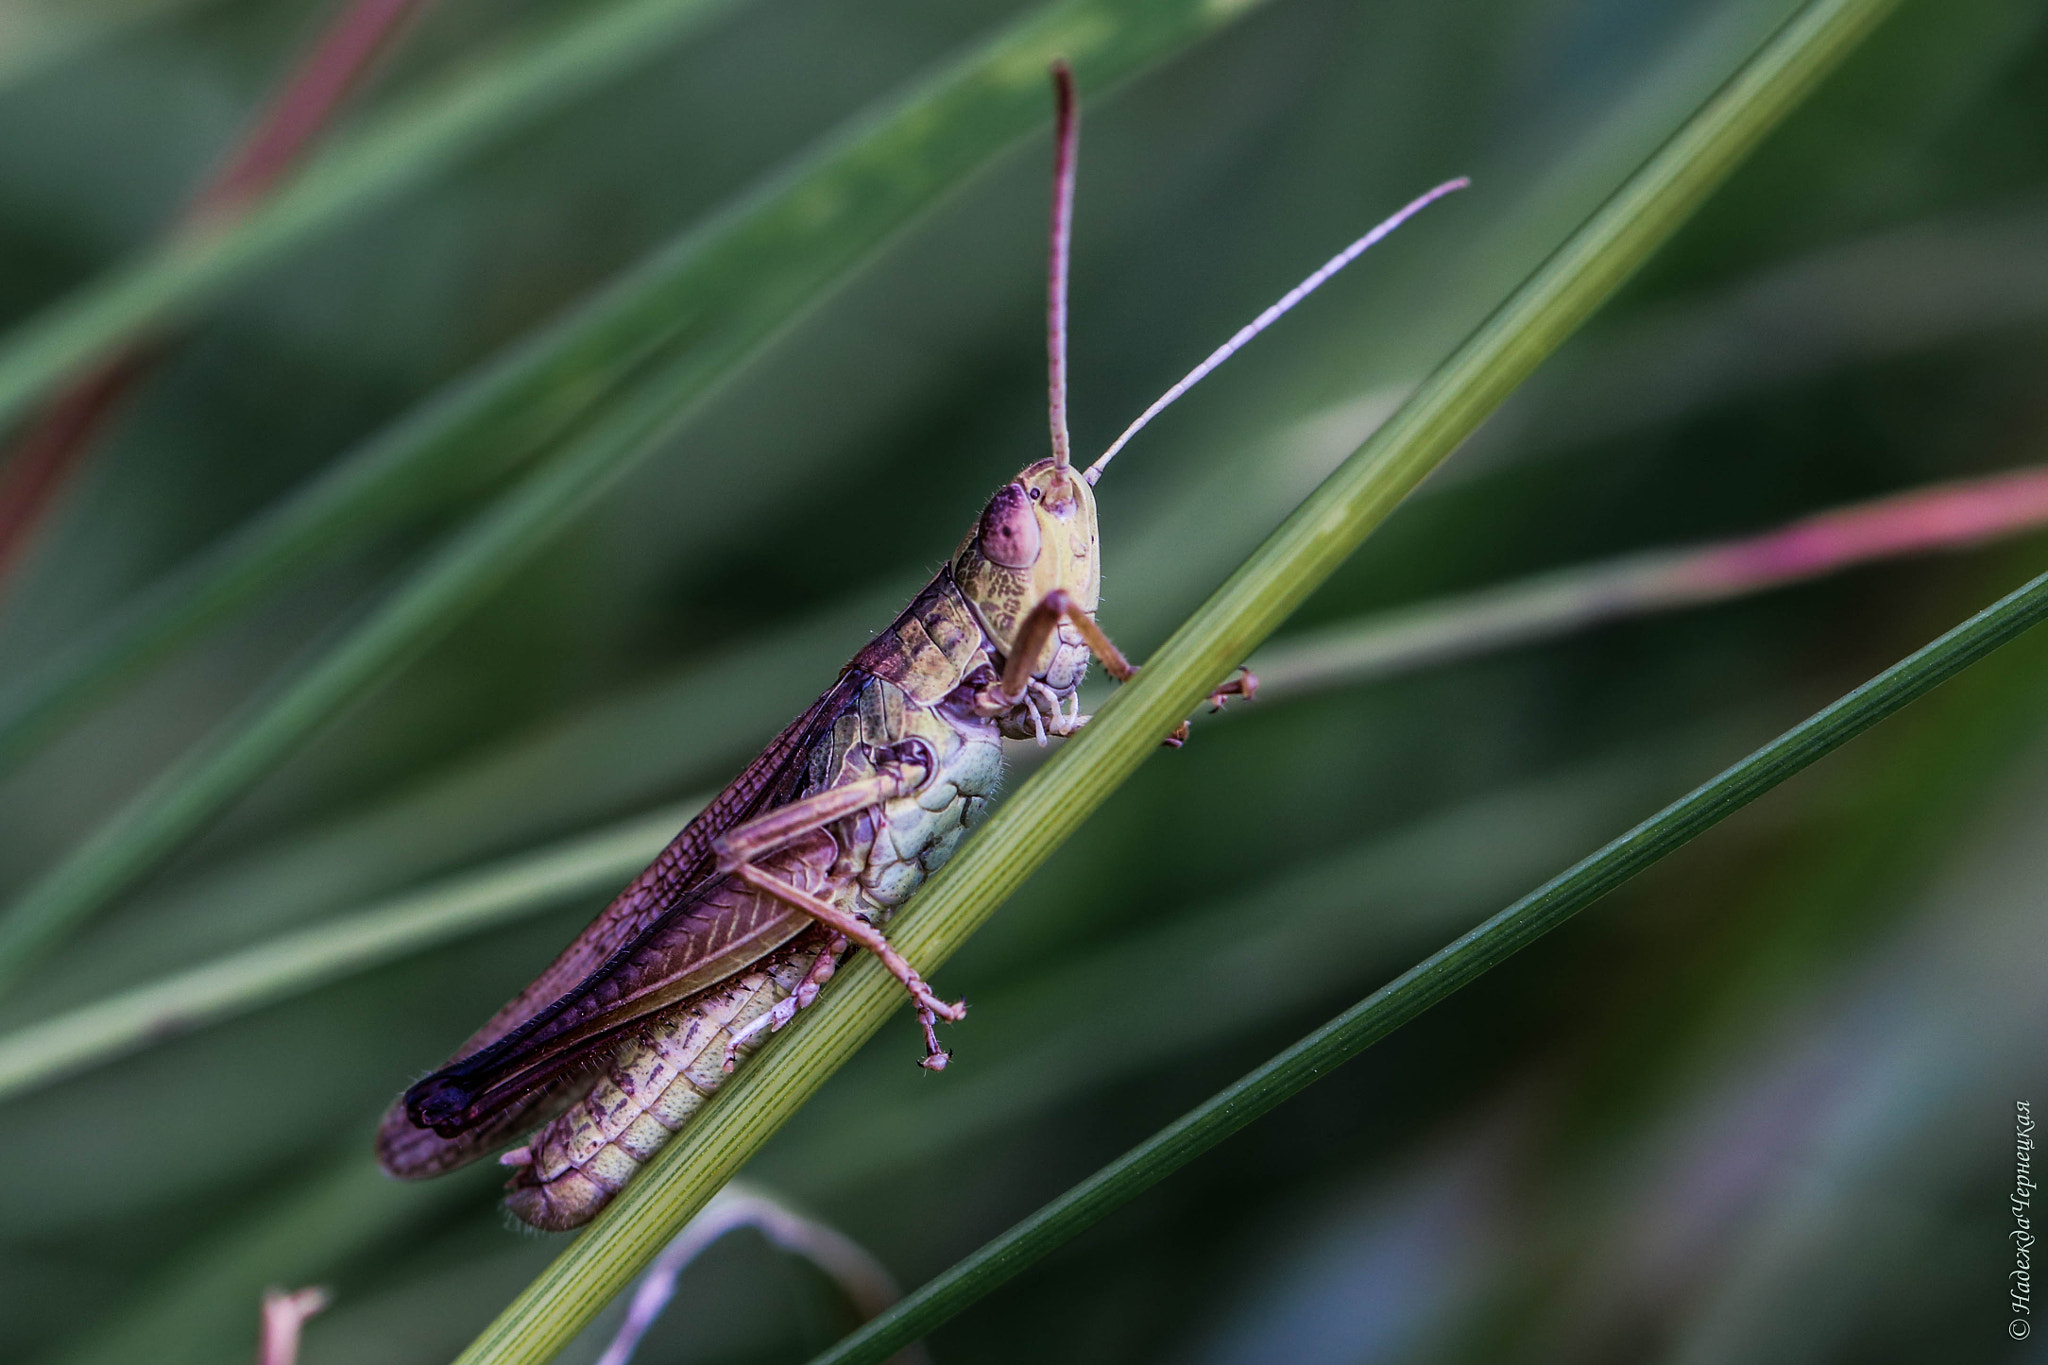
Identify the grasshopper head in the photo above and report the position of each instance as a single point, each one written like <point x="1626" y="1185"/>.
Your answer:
<point x="1036" y="534"/>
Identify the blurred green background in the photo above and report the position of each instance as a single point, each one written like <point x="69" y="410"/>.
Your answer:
<point x="1757" y="1106"/>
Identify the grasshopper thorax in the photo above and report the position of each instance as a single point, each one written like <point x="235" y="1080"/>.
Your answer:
<point x="1037" y="534"/>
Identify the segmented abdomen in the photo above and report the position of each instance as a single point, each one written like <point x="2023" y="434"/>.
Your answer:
<point x="647" y="1092"/>
<point x="654" y="1085"/>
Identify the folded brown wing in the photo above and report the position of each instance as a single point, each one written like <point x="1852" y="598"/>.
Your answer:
<point x="675" y="930"/>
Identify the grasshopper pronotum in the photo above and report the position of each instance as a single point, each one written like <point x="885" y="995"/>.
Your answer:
<point x="747" y="913"/>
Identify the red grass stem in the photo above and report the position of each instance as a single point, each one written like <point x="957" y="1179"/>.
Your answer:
<point x="53" y="443"/>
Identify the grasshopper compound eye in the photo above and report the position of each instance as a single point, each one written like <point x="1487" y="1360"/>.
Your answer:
<point x="1009" y="529"/>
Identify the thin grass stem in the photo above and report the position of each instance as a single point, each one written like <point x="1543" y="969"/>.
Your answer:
<point x="295" y="963"/>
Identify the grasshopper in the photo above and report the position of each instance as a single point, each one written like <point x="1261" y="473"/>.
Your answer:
<point x="745" y="916"/>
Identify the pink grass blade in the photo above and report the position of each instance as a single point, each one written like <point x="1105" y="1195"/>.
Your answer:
<point x="307" y="102"/>
<point x="1939" y="517"/>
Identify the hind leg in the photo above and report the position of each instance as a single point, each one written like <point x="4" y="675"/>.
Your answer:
<point x="929" y="1007"/>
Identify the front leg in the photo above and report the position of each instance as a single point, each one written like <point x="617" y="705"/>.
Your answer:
<point x="1245" y="684"/>
<point x="1037" y="627"/>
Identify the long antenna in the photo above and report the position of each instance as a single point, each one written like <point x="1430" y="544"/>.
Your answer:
<point x="1268" y="318"/>
<point x="1066" y="138"/>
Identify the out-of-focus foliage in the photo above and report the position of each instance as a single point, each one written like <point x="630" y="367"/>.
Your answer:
<point x="1755" y="1107"/>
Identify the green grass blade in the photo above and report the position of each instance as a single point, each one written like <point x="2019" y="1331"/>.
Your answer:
<point x="188" y="794"/>
<point x="41" y="34"/>
<point x="1028" y="827"/>
<point x="456" y="443"/>
<point x="293" y="963"/>
<point x="754" y="272"/>
<point x="1438" y="976"/>
<point x="397" y="151"/>
<point x="200" y="1305"/>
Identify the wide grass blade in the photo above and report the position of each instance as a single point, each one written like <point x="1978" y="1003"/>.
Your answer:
<point x="1439" y="975"/>
<point x="753" y="273"/>
<point x="1641" y="215"/>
